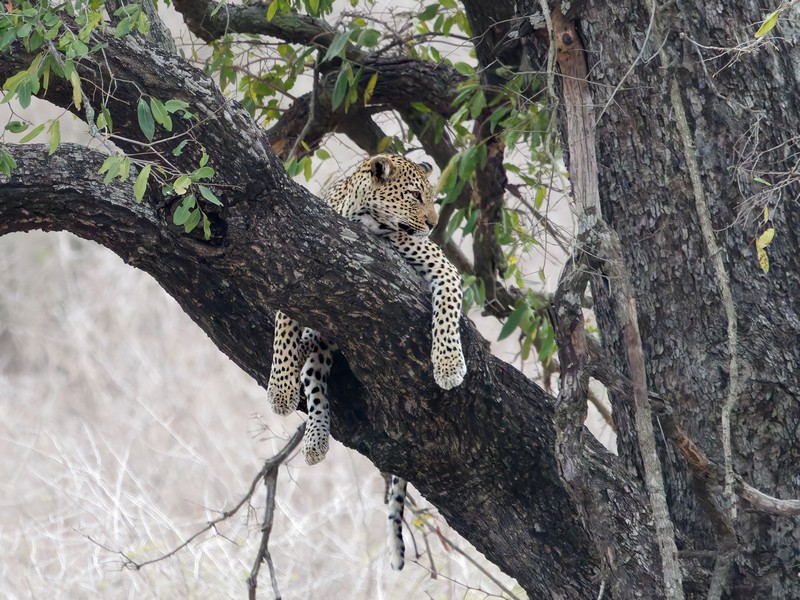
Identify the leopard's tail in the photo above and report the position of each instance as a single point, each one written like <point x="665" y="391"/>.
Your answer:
<point x="396" y="499"/>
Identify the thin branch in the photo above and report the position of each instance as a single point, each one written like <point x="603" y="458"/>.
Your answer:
<point x="311" y="110"/>
<point x="268" y="472"/>
<point x="764" y="503"/>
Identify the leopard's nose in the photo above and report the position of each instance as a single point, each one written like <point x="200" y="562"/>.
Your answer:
<point x="431" y="218"/>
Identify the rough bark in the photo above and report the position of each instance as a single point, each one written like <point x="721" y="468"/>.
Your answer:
<point x="685" y="124"/>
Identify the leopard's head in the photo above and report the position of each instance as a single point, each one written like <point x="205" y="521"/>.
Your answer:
<point x="393" y="194"/>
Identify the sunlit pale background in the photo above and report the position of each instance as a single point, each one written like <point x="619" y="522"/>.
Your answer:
<point x="123" y="429"/>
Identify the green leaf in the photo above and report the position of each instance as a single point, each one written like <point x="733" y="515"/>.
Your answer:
<point x="420" y="106"/>
<point x="140" y="186"/>
<point x="373" y="81"/>
<point x="13" y="82"/>
<point x="206" y="227"/>
<point x="107" y="163"/>
<point x="455" y="221"/>
<point x="337" y="46"/>
<point x="339" y="89"/>
<point x="292" y="167"/>
<point x="192" y="221"/>
<point x="478" y="104"/>
<point x="202" y="173"/>
<point x="55" y="136"/>
<point x="160" y="114"/>
<point x="429" y="12"/>
<point x="143" y="24"/>
<point x="17" y="126"/>
<point x="124" y="27"/>
<point x="498" y="114"/>
<point x="541" y="193"/>
<point x="179" y="148"/>
<point x="111" y="167"/>
<point x="548" y="341"/>
<point x="369" y="38"/>
<point x="273" y="8"/>
<point x="24" y="91"/>
<point x="763" y="259"/>
<point x="209" y="195"/>
<point x="464" y="68"/>
<point x="765" y="239"/>
<point x="128" y="10"/>
<point x="384" y="143"/>
<point x="124" y="168"/>
<point x="24" y="31"/>
<point x="175" y="105"/>
<point x="204" y="157"/>
<point x="145" y="117"/>
<point x="182" y="184"/>
<point x="33" y="133"/>
<point x="525" y="350"/>
<point x="6" y="37"/>
<point x="182" y="213"/>
<point x="7" y="162"/>
<point x="513" y="320"/>
<point x="768" y="24"/>
<point x="466" y="166"/>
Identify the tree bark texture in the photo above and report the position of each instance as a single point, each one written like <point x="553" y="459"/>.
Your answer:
<point x="686" y="122"/>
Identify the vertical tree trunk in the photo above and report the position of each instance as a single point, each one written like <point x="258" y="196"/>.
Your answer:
<point x="686" y="124"/>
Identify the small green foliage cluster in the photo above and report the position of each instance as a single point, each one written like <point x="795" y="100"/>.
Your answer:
<point x="40" y="27"/>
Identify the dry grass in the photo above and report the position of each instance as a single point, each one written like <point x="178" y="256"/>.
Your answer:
<point x="123" y="423"/>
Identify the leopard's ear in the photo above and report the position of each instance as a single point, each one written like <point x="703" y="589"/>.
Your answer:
<point x="426" y="167"/>
<point x="381" y="168"/>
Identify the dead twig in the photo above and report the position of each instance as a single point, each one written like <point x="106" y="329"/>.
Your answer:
<point x="269" y="474"/>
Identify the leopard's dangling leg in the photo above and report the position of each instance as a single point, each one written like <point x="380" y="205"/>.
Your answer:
<point x="396" y="499"/>
<point x="283" y="390"/>
<point x="428" y="260"/>
<point x="314" y="375"/>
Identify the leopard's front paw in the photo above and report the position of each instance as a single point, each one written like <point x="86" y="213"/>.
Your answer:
<point x="449" y="368"/>
<point x="315" y="446"/>
<point x="283" y="398"/>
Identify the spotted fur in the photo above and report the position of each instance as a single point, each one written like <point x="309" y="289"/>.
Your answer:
<point x="396" y="499"/>
<point x="392" y="196"/>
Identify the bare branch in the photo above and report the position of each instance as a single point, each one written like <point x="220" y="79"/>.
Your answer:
<point x="269" y="474"/>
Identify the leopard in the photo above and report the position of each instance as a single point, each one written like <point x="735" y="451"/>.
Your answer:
<point x="392" y="196"/>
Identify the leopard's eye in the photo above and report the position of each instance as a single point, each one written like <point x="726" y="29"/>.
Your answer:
<point x="417" y="194"/>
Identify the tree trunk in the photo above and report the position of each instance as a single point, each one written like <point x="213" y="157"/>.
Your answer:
<point x="686" y="125"/>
